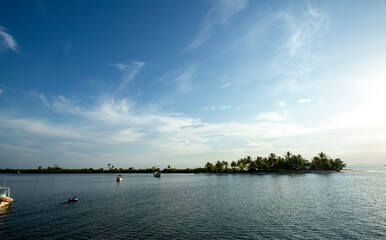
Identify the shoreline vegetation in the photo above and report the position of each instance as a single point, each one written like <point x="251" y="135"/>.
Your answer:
<point x="288" y="163"/>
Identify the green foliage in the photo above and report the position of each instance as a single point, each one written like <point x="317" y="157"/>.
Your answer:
<point x="272" y="163"/>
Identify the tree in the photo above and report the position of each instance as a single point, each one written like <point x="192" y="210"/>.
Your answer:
<point x="233" y="165"/>
<point x="259" y="163"/>
<point x="219" y="166"/>
<point x="338" y="164"/>
<point x="241" y="164"/>
<point x="321" y="162"/>
<point x="271" y="161"/>
<point x="209" y="167"/>
<point x="252" y="167"/>
<point x="225" y="163"/>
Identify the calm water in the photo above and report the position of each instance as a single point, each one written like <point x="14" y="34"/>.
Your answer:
<point x="183" y="206"/>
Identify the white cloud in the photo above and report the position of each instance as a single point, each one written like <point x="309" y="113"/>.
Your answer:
<point x="270" y="116"/>
<point x="39" y="127"/>
<point x="13" y="148"/>
<point x="226" y="85"/>
<point x="121" y="66"/>
<point x="130" y="72"/>
<point x="182" y="78"/>
<point x="219" y="14"/>
<point x="281" y="103"/>
<point x="305" y="29"/>
<point x="304" y="100"/>
<point x="7" y="41"/>
<point x="115" y="129"/>
<point x="1" y="91"/>
<point x="298" y="30"/>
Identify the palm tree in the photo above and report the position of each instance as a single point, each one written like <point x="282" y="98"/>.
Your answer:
<point x="209" y="166"/>
<point x="338" y="164"/>
<point x="225" y="163"/>
<point x="271" y="161"/>
<point x="322" y="161"/>
<point x="233" y="165"/>
<point x="219" y="166"/>
<point x="240" y="164"/>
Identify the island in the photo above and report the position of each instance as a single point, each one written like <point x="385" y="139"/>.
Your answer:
<point x="294" y="163"/>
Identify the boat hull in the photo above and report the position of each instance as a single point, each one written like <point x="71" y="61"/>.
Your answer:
<point x="5" y="201"/>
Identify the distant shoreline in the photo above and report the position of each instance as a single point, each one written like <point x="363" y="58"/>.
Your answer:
<point x="289" y="163"/>
<point x="352" y="170"/>
<point x="180" y="171"/>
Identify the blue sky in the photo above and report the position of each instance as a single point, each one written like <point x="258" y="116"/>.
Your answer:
<point x="180" y="83"/>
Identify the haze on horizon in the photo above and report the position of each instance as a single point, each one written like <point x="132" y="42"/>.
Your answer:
<point x="181" y="83"/>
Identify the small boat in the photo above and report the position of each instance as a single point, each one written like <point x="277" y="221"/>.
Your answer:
<point x="157" y="174"/>
<point x="5" y="197"/>
<point x="73" y="199"/>
<point x="119" y="178"/>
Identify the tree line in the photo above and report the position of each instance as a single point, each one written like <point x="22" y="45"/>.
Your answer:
<point x="272" y="163"/>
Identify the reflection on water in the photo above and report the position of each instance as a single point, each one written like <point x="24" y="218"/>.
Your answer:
<point x="4" y="211"/>
<point x="185" y="206"/>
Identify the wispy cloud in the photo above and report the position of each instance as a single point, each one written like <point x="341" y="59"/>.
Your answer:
<point x="7" y="40"/>
<point x="270" y="116"/>
<point x="1" y="91"/>
<point x="304" y="29"/>
<point x="182" y="78"/>
<point x="130" y="72"/>
<point x="298" y="30"/>
<point x="115" y="129"/>
<point x="226" y="85"/>
<point x="39" y="127"/>
<point x="281" y="103"/>
<point x="219" y="14"/>
<point x="304" y="100"/>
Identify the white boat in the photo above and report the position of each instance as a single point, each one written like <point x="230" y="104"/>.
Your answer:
<point x="119" y="178"/>
<point x="5" y="197"/>
<point x="73" y="199"/>
<point x="157" y="174"/>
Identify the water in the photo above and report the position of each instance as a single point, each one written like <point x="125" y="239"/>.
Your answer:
<point x="188" y="206"/>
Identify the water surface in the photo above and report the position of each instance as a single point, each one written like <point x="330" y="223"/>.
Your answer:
<point x="197" y="206"/>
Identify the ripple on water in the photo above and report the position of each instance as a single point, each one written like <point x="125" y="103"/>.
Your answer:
<point x="316" y="206"/>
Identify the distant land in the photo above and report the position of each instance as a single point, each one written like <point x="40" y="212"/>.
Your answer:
<point x="271" y="164"/>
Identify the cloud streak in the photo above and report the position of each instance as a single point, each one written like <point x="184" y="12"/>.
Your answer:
<point x="304" y="100"/>
<point x="130" y="72"/>
<point x="304" y="31"/>
<point x="7" y="41"/>
<point x="182" y="78"/>
<point x="270" y="116"/>
<point x="219" y="14"/>
<point x="226" y="85"/>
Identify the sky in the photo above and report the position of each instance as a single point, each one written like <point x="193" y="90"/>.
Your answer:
<point x="180" y="83"/>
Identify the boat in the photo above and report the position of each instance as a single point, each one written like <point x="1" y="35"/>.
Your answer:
<point x="5" y="197"/>
<point x="157" y="174"/>
<point x="73" y="199"/>
<point x="119" y="178"/>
